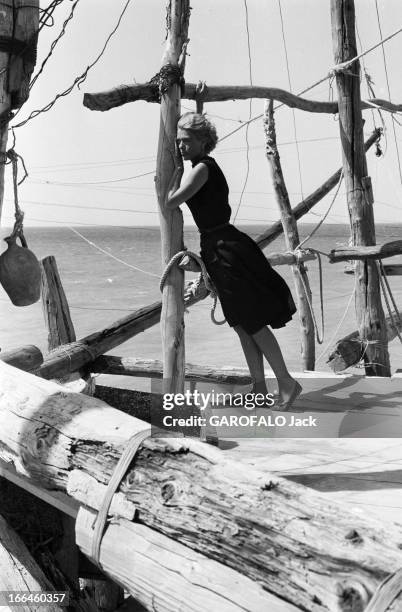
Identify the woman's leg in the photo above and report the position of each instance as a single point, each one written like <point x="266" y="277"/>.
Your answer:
<point x="288" y="387"/>
<point x="254" y="358"/>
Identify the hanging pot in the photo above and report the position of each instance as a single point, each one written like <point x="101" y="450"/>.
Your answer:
<point x="20" y="274"/>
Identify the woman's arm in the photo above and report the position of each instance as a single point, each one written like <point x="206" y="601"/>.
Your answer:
<point x="193" y="183"/>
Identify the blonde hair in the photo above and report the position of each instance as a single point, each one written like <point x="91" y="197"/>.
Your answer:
<point x="201" y="127"/>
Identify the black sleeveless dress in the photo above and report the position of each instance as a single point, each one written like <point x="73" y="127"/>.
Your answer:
<point x="251" y="292"/>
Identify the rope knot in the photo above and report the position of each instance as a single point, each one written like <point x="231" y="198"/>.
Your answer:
<point x="167" y="76"/>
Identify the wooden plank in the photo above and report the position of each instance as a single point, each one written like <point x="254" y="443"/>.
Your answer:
<point x="292" y="240"/>
<point x="190" y="492"/>
<point x="369" y="312"/>
<point x="27" y="358"/>
<point x="376" y="251"/>
<point x="106" y="100"/>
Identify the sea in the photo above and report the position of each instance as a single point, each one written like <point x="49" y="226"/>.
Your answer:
<point x="108" y="272"/>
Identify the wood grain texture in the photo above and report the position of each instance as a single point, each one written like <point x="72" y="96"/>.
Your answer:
<point x="299" y="547"/>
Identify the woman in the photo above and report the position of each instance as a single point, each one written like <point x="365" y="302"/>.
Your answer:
<point x="251" y="293"/>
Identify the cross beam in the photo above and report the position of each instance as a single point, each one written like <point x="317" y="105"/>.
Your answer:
<point x="119" y="96"/>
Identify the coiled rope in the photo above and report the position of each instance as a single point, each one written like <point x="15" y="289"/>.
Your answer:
<point x="204" y="275"/>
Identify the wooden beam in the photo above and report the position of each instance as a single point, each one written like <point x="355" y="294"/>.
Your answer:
<point x="274" y="532"/>
<point x="369" y="312"/>
<point x="349" y="350"/>
<point x="376" y="251"/>
<point x="104" y="101"/>
<point x="292" y="239"/>
<point x="27" y="358"/>
<point x="150" y="368"/>
<point x="171" y="221"/>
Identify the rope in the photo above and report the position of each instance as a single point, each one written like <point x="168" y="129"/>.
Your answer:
<point x="335" y="70"/>
<point x="204" y="276"/>
<point x="249" y="114"/>
<point x="389" y="90"/>
<point x="121" y="468"/>
<point x="319" y="336"/>
<point x="18" y="229"/>
<point x="386" y="287"/>
<point x="95" y="246"/>
<point x="386" y="593"/>
<point x="290" y="89"/>
<point x="338" y="327"/>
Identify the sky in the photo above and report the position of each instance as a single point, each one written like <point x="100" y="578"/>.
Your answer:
<point x="79" y="160"/>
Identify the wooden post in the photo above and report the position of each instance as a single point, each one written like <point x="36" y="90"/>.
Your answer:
<point x="292" y="240"/>
<point x="19" y="22"/>
<point x="369" y="312"/>
<point x="172" y="318"/>
<point x="55" y="307"/>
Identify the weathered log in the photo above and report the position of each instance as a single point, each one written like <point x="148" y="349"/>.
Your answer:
<point x="300" y="277"/>
<point x="27" y="358"/>
<point x="376" y="251"/>
<point x="368" y="307"/>
<point x="349" y="350"/>
<point x="151" y="368"/>
<point x="171" y="221"/>
<point x="20" y="572"/>
<point x="55" y="306"/>
<point x="312" y="553"/>
<point x="106" y="100"/>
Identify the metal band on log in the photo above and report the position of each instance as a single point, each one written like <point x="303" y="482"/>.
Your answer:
<point x="309" y="552"/>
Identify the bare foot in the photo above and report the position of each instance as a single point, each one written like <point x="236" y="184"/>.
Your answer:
<point x="289" y="392"/>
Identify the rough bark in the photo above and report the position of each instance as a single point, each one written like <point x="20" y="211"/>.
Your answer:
<point x="106" y="100"/>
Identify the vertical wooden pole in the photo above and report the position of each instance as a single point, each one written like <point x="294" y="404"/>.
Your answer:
<point x="19" y="21"/>
<point x="369" y="312"/>
<point x="292" y="239"/>
<point x="172" y="318"/>
<point x="55" y="307"/>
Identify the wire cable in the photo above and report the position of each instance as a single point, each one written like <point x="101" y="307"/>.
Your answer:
<point x="291" y="89"/>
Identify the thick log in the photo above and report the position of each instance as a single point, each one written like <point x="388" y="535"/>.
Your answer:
<point x="292" y="239"/>
<point x="20" y="572"/>
<point x="310" y="201"/>
<point x="106" y="100"/>
<point x="369" y="312"/>
<point x="181" y="579"/>
<point x="376" y="251"/>
<point x="349" y="350"/>
<point x="171" y="221"/>
<point x="55" y="306"/>
<point x="150" y="368"/>
<point x="312" y="553"/>
<point x="27" y="358"/>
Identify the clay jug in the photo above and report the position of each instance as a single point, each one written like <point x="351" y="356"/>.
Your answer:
<point x="20" y="274"/>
